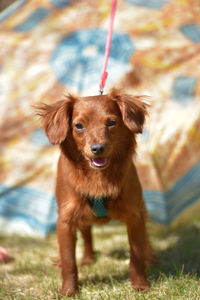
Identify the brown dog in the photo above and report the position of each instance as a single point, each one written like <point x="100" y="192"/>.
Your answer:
<point x="97" y="180"/>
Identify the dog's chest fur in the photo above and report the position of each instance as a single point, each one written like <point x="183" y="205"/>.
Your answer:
<point x="93" y="183"/>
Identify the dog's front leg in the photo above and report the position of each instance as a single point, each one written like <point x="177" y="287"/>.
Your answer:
<point x="138" y="246"/>
<point x="67" y="245"/>
<point x="88" y="255"/>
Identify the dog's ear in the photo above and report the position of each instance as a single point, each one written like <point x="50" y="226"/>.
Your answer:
<point x="56" y="119"/>
<point x="133" y="110"/>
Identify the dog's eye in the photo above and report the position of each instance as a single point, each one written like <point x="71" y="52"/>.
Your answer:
<point x="111" y="123"/>
<point x="79" y="127"/>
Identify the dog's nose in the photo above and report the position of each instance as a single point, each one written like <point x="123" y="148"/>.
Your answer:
<point x="97" y="148"/>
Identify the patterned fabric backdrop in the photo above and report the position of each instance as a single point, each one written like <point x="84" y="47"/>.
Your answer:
<point x="51" y="46"/>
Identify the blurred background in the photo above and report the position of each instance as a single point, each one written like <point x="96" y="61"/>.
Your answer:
<point x="5" y="3"/>
<point x="49" y="47"/>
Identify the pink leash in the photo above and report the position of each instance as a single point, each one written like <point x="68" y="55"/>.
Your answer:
<point x="107" y="49"/>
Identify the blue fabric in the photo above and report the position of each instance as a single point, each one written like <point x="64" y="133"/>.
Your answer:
<point x="183" y="89"/>
<point x="60" y="3"/>
<point x="191" y="31"/>
<point x="153" y="4"/>
<point x="165" y="207"/>
<point x="145" y="134"/>
<point x="79" y="58"/>
<point x="39" y="138"/>
<point x="11" y="10"/>
<point x="36" y="208"/>
<point x="33" y="20"/>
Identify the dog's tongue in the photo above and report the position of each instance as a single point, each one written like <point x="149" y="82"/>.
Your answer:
<point x="100" y="161"/>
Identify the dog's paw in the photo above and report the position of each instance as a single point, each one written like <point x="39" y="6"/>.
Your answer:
<point x="68" y="291"/>
<point x="69" y="288"/>
<point x="87" y="260"/>
<point x="140" y="285"/>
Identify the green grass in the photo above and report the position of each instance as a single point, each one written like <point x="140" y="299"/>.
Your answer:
<point x="32" y="275"/>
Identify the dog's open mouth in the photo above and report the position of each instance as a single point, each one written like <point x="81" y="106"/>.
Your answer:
<point x="99" y="162"/>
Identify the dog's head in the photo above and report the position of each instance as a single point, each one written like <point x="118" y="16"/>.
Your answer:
<point x="95" y="129"/>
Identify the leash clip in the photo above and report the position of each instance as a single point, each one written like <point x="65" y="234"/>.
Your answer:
<point x="103" y="81"/>
<point x="101" y="91"/>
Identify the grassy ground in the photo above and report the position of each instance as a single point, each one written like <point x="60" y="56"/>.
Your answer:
<point x="32" y="276"/>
